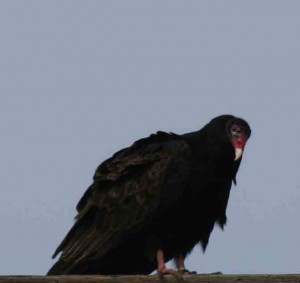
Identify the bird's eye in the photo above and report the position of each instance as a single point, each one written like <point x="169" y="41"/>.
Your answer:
<point x="235" y="131"/>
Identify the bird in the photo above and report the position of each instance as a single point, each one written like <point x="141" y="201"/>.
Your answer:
<point x="154" y="201"/>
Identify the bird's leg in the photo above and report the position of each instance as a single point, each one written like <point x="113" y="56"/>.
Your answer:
<point x="179" y="261"/>
<point x="161" y="267"/>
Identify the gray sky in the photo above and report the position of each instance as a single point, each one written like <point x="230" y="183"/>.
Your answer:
<point x="82" y="79"/>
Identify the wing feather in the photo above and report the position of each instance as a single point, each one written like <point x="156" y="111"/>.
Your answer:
<point x="129" y="189"/>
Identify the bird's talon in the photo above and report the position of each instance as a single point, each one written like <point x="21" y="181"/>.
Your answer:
<point x="165" y="271"/>
<point x="186" y="272"/>
<point x="181" y="270"/>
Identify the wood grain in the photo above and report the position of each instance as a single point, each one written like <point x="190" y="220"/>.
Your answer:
<point x="201" y="278"/>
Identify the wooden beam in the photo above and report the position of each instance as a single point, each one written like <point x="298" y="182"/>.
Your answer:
<point x="201" y="278"/>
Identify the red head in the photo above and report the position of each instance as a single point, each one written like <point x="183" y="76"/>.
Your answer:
<point x="239" y="132"/>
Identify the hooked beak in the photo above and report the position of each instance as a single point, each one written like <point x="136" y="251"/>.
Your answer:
<point x="238" y="153"/>
<point x="239" y="144"/>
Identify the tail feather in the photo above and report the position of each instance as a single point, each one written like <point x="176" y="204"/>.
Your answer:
<point x="60" y="268"/>
<point x="127" y="259"/>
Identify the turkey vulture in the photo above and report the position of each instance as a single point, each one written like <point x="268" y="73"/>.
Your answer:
<point x="154" y="201"/>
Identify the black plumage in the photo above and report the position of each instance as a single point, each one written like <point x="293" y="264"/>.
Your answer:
<point x="154" y="201"/>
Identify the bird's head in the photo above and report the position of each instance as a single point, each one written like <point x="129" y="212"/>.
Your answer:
<point x="237" y="131"/>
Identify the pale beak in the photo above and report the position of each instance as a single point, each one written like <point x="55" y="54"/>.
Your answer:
<point x="238" y="153"/>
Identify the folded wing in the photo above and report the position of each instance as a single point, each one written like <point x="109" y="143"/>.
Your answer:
<point x="129" y="189"/>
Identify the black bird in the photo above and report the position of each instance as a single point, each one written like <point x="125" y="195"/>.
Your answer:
<point x="154" y="201"/>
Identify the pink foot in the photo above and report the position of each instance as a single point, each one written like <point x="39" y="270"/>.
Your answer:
<point x="161" y="267"/>
<point x="165" y="271"/>
<point x="179" y="261"/>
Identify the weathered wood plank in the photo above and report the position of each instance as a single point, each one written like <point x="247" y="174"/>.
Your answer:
<point x="201" y="278"/>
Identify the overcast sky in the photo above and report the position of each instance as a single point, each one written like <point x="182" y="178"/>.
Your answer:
<point x="82" y="79"/>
